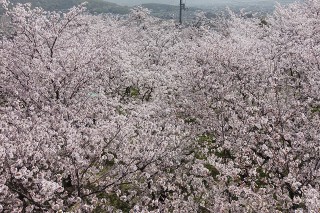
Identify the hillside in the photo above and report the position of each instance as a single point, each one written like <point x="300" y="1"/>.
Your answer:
<point x="94" y="6"/>
<point x="164" y="11"/>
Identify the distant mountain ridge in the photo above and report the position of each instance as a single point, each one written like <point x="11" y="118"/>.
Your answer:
<point x="165" y="11"/>
<point x="94" y="6"/>
<point x="161" y="10"/>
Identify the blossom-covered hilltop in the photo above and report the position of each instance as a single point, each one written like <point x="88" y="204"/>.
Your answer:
<point x="137" y="114"/>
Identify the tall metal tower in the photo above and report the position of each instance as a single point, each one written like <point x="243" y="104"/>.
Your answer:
<point x="182" y="7"/>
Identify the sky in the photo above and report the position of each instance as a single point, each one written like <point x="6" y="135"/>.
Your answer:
<point x="195" y="2"/>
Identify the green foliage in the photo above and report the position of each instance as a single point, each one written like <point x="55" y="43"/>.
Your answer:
<point x="190" y="120"/>
<point x="300" y="206"/>
<point x="234" y="197"/>
<point x="200" y="156"/>
<point x="225" y="154"/>
<point x="279" y="208"/>
<point x="275" y="196"/>
<point x="132" y="91"/>
<point x="315" y="109"/>
<point x="260" y="183"/>
<point x="109" y="163"/>
<point x="207" y="138"/>
<point x="187" y="118"/>
<point x="262" y="175"/>
<point x="126" y="187"/>
<point x="214" y="172"/>
<point x="3" y="100"/>
<point x="114" y="201"/>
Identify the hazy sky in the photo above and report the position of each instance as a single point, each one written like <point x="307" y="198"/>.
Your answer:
<point x="194" y="2"/>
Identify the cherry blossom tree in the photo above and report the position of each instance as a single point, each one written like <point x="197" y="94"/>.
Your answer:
<point x="74" y="129"/>
<point x="256" y="87"/>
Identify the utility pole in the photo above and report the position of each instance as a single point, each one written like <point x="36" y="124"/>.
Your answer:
<point x="182" y="7"/>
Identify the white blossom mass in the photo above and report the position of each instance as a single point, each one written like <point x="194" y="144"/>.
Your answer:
<point x="105" y="113"/>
